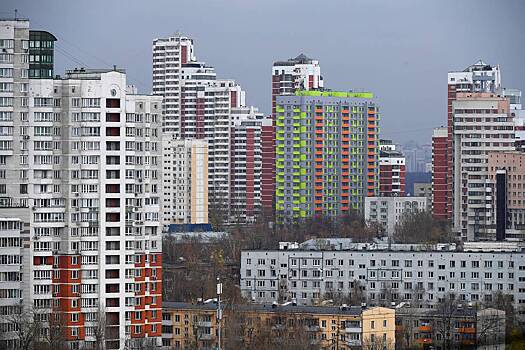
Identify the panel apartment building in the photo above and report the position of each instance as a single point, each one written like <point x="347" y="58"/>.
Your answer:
<point x="198" y="105"/>
<point x="326" y="153"/>
<point x="81" y="165"/>
<point x="385" y="273"/>
<point x="482" y="123"/>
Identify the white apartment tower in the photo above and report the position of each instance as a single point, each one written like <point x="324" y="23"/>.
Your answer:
<point x="81" y="161"/>
<point x="200" y="106"/>
<point x="185" y="181"/>
<point x="168" y="57"/>
<point x="482" y="123"/>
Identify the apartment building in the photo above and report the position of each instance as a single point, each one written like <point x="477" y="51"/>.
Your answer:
<point x="300" y="73"/>
<point x="440" y="191"/>
<point x="81" y="161"/>
<point x="200" y="106"/>
<point x="169" y="54"/>
<point x="479" y="77"/>
<point x="247" y="142"/>
<point x="185" y="181"/>
<point x="188" y="325"/>
<point x="389" y="212"/>
<point x="506" y="191"/>
<point x="327" y="157"/>
<point x="391" y="170"/>
<point x="379" y="274"/>
<point x="482" y="124"/>
<point x="450" y="326"/>
<point x="11" y="272"/>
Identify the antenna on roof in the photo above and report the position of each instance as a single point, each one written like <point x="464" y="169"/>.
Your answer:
<point x="16" y="13"/>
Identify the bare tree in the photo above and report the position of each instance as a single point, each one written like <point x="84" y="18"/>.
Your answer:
<point x="448" y="310"/>
<point x="27" y="327"/>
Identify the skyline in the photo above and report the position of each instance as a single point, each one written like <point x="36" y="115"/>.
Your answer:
<point x="403" y="59"/>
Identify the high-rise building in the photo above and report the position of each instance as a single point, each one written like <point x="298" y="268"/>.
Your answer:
<point x="391" y="170"/>
<point x="198" y="105"/>
<point x="506" y="191"/>
<point x="246" y="163"/>
<point x="440" y="192"/>
<point x="300" y="73"/>
<point x="185" y="181"/>
<point x="81" y="161"/>
<point x="479" y="77"/>
<point x="11" y="267"/>
<point x="481" y="124"/>
<point x="327" y="157"/>
<point x="169" y="55"/>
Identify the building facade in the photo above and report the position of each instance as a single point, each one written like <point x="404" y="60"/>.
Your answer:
<point x="300" y="73"/>
<point x="389" y="212"/>
<point x="506" y="190"/>
<point x="11" y="275"/>
<point x="81" y="161"/>
<point x="327" y="157"/>
<point x="185" y="181"/>
<point x="188" y="325"/>
<point x="479" y="77"/>
<point x="440" y="191"/>
<point x="391" y="170"/>
<point x="385" y="274"/>
<point x="246" y="164"/>
<point x="452" y="325"/>
<point x="482" y="124"/>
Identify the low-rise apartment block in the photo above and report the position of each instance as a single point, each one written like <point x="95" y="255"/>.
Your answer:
<point x="188" y="325"/>
<point x="380" y="274"/>
<point x="450" y="326"/>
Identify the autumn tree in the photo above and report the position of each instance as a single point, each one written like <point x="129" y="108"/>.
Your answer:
<point x="421" y="227"/>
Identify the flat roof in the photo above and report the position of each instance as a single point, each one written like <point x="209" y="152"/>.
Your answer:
<point x="321" y="310"/>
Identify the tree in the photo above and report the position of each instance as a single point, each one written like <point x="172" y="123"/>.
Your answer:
<point x="27" y="327"/>
<point x="421" y="227"/>
<point x="447" y="310"/>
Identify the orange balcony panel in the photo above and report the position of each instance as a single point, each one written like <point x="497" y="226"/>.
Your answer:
<point x="425" y="329"/>
<point x="345" y="146"/>
<point x="318" y="110"/>
<point x="318" y="153"/>
<point x="319" y="132"/>
<point x="424" y="341"/>
<point x="371" y="167"/>
<point x="318" y="159"/>
<point x="371" y="154"/>
<point x="345" y="132"/>
<point x="345" y="111"/>
<point x="318" y="173"/>
<point x="345" y="167"/>
<point x="345" y="153"/>
<point x="318" y="187"/>
<point x="372" y="139"/>
<point x="370" y="187"/>
<point x="371" y="112"/>
<point x="319" y="124"/>
<point x="346" y="139"/>
<point x="318" y="201"/>
<point x="345" y="208"/>
<point x="344" y="201"/>
<point x="318" y="117"/>
<point x="318" y="166"/>
<point x="345" y="173"/>
<point x="345" y="187"/>
<point x="371" y="119"/>
<point x="469" y="330"/>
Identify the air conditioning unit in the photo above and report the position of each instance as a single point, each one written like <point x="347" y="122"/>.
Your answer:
<point x="26" y="137"/>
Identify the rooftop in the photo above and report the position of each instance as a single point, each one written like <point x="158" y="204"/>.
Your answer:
<point x="301" y="59"/>
<point x="271" y="308"/>
<point x="343" y="94"/>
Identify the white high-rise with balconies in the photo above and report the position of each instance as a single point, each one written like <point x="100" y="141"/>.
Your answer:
<point x="80" y="164"/>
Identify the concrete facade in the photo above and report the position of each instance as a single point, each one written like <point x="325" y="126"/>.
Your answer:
<point x="389" y="211"/>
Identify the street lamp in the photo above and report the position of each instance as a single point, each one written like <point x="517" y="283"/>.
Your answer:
<point x="219" y="311"/>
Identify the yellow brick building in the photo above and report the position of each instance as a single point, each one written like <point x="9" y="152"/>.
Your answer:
<point x="194" y="326"/>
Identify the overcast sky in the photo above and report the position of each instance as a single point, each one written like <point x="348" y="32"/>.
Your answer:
<point x="401" y="50"/>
